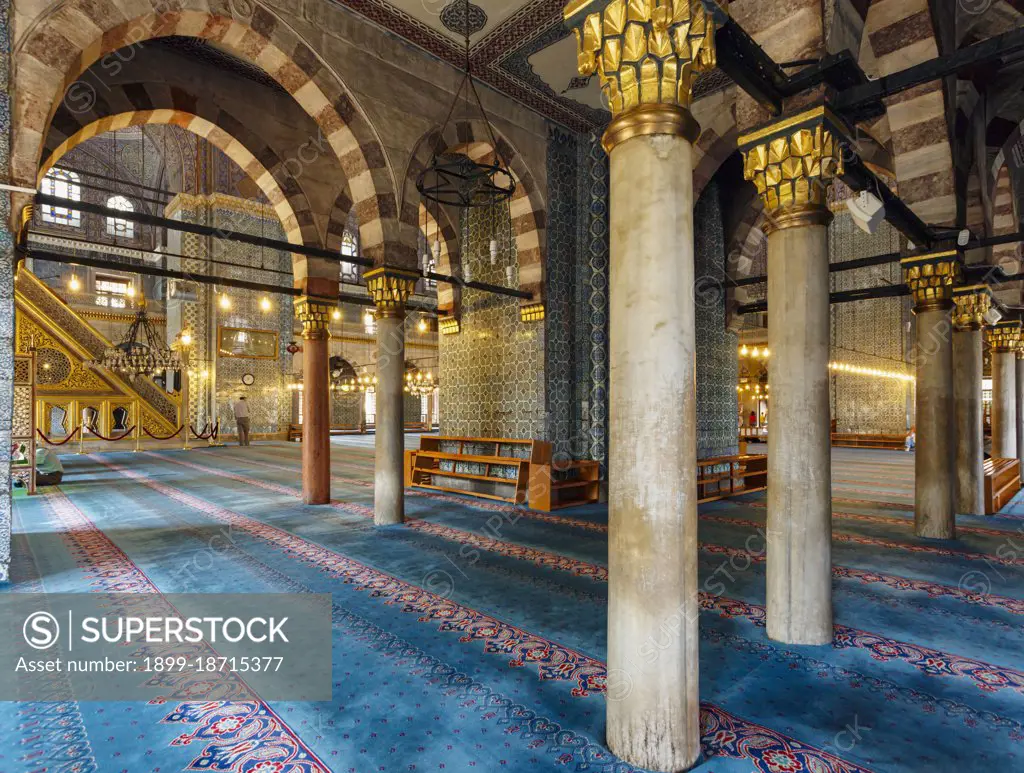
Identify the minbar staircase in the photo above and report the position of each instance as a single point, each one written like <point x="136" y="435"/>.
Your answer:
<point x="42" y="314"/>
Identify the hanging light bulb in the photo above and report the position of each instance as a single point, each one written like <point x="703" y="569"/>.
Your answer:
<point x="510" y="275"/>
<point x="225" y="301"/>
<point x="73" y="284"/>
<point x="422" y="326"/>
<point x="744" y="351"/>
<point x="437" y="249"/>
<point x="494" y="251"/>
<point x="265" y="303"/>
<point x="336" y="314"/>
<point x="130" y="291"/>
<point x="467" y="272"/>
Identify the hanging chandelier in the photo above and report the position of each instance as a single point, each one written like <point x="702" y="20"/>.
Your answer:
<point x="142" y="352"/>
<point x="455" y="179"/>
<point x="419" y="383"/>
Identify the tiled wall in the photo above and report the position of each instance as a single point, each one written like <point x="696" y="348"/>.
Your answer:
<point x="498" y="373"/>
<point x="541" y="380"/>
<point x="492" y="373"/>
<point x="717" y="406"/>
<point x="6" y="301"/>
<point x="870" y="333"/>
<point x="270" y="402"/>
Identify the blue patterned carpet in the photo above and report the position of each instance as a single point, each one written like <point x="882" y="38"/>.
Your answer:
<point x="473" y="636"/>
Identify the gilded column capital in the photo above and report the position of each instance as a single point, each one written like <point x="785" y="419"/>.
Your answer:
<point x="647" y="54"/>
<point x="1004" y="336"/>
<point x="792" y="162"/>
<point x="973" y="307"/>
<point x="314" y="314"/>
<point x="390" y="288"/>
<point x="931" y="279"/>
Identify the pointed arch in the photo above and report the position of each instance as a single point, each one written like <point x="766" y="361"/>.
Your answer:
<point x="72" y="36"/>
<point x="527" y="206"/>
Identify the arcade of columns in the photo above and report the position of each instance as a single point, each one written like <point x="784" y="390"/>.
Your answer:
<point x="653" y="703"/>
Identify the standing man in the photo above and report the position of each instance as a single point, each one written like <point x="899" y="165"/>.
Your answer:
<point x="241" y="409"/>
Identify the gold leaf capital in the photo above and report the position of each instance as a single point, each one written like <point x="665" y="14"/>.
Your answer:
<point x="646" y="52"/>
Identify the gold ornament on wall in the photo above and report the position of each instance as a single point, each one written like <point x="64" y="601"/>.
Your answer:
<point x="931" y="279"/>
<point x="793" y="161"/>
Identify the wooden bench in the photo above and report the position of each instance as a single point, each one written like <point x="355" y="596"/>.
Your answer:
<point x="1002" y="481"/>
<point x="295" y="430"/>
<point x="759" y="434"/>
<point x="555" y="484"/>
<point x="492" y="468"/>
<point x="505" y="469"/>
<point x="865" y="440"/>
<point x="719" y="477"/>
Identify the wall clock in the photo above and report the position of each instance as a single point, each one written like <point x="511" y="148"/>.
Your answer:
<point x="248" y="379"/>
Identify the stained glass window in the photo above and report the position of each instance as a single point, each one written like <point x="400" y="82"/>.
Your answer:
<point x="349" y="246"/>
<point x="117" y="226"/>
<point x="64" y="184"/>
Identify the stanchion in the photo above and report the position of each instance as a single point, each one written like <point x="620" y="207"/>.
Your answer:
<point x="138" y="428"/>
<point x="185" y="446"/>
<point x="81" y="434"/>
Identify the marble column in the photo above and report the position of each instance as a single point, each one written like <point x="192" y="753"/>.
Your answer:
<point x="316" y="401"/>
<point x="1004" y="338"/>
<point x="931" y="279"/>
<point x="972" y="306"/>
<point x="799" y="533"/>
<point x="653" y="709"/>
<point x="390" y="288"/>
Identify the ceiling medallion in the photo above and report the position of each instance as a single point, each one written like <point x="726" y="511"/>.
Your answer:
<point x="463" y="18"/>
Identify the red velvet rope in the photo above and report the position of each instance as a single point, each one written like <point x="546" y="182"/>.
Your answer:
<point x="201" y="435"/>
<point x="165" y="437"/>
<point x="127" y="432"/>
<point x="74" y="432"/>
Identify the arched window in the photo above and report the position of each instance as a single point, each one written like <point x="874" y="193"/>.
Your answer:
<point x="64" y="184"/>
<point x="349" y="246"/>
<point x="117" y="226"/>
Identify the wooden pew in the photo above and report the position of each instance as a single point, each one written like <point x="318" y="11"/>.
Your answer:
<point x="492" y="468"/>
<point x="727" y="476"/>
<point x="865" y="440"/>
<point x="295" y="430"/>
<point x="505" y="469"/>
<point x="1002" y="481"/>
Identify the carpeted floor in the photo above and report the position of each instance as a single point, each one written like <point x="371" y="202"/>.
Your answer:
<point x="473" y="636"/>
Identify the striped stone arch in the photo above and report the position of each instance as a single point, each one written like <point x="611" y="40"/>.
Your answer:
<point x="170" y="106"/>
<point x="1004" y="218"/>
<point x="65" y="41"/>
<point x="449" y="296"/>
<point x="527" y="205"/>
<point x="898" y="35"/>
<point x="716" y="114"/>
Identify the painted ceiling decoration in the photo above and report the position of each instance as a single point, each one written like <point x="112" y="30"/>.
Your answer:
<point x="525" y="52"/>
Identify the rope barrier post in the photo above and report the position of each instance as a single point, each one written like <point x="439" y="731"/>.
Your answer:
<point x="81" y="434"/>
<point x="138" y="427"/>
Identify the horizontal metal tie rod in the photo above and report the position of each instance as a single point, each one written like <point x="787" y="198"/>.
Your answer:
<point x="892" y="257"/>
<point x="241" y="284"/>
<point x="260" y="241"/>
